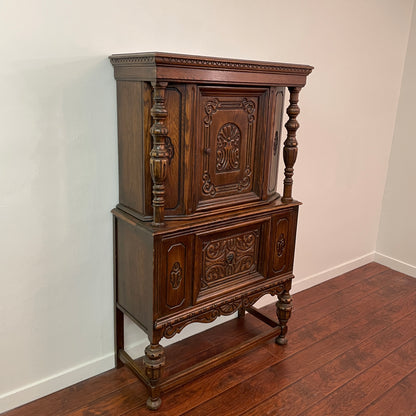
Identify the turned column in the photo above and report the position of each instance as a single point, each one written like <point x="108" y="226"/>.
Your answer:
<point x="283" y="312"/>
<point x="290" y="149"/>
<point x="154" y="360"/>
<point x="159" y="155"/>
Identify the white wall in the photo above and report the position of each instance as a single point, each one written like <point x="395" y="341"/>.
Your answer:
<point x="58" y="159"/>
<point x="396" y="245"/>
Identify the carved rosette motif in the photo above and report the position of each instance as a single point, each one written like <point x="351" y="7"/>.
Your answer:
<point x="227" y="307"/>
<point x="175" y="275"/>
<point x="228" y="257"/>
<point x="280" y="245"/>
<point x="228" y="148"/>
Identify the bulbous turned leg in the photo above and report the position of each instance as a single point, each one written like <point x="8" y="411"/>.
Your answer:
<point x="283" y="311"/>
<point x="154" y="360"/>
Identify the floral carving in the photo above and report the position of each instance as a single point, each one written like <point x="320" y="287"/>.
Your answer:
<point x="176" y="275"/>
<point x="228" y="148"/>
<point x="229" y="256"/>
<point x="280" y="245"/>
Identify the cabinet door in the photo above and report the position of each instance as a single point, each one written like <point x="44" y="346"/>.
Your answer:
<point x="231" y="140"/>
<point x="282" y="245"/>
<point x="175" y="272"/>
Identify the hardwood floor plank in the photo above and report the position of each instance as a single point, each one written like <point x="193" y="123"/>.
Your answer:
<point x="116" y="403"/>
<point x="280" y="375"/>
<point x="311" y="388"/>
<point x="210" y="384"/>
<point x="341" y="282"/>
<point x="79" y="394"/>
<point x="336" y="333"/>
<point x="340" y="320"/>
<point x="352" y="397"/>
<point x="400" y="400"/>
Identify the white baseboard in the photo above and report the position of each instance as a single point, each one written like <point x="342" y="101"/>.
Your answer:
<point x="56" y="382"/>
<point x="315" y="279"/>
<point x="89" y="369"/>
<point x="395" y="264"/>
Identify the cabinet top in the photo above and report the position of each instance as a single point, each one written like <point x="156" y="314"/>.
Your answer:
<point x="153" y="66"/>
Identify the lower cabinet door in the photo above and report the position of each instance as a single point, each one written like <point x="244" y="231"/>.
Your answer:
<point x="230" y="258"/>
<point x="175" y="274"/>
<point x="282" y="244"/>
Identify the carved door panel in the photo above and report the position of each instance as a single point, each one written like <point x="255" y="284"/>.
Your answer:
<point x="175" y="273"/>
<point x="283" y="241"/>
<point x="230" y="259"/>
<point x="230" y="139"/>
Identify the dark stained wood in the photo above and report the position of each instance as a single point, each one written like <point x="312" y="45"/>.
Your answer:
<point x="400" y="400"/>
<point x="196" y="140"/>
<point x="186" y="68"/>
<point x="203" y="145"/>
<point x="349" y="358"/>
<point x="290" y="149"/>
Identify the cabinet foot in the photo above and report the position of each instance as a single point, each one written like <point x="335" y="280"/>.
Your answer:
<point x="154" y="360"/>
<point x="153" y="404"/>
<point x="283" y="311"/>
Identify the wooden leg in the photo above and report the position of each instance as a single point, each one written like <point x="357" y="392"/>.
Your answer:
<point x="119" y="335"/>
<point x="283" y="311"/>
<point x="241" y="312"/>
<point x="154" y="360"/>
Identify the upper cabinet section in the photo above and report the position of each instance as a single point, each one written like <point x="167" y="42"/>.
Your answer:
<point x="200" y="135"/>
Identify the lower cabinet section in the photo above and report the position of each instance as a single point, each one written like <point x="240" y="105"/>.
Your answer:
<point x="170" y="274"/>
<point x="168" y="278"/>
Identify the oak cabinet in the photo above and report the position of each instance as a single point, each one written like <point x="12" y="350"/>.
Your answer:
<point x="201" y="229"/>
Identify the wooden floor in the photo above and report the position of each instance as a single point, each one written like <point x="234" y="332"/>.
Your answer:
<point x="351" y="351"/>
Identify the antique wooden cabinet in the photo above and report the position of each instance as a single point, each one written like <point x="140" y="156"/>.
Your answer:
<point x="200" y="229"/>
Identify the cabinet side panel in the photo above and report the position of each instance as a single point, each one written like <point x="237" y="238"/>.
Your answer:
<point x="130" y="144"/>
<point x="134" y="272"/>
<point x="276" y="139"/>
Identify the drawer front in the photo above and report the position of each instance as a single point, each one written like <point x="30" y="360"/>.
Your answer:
<point x="231" y="258"/>
<point x="282" y="245"/>
<point x="175" y="274"/>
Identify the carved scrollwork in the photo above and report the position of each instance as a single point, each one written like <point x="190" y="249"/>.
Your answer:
<point x="176" y="275"/>
<point x="228" y="148"/>
<point x="250" y="107"/>
<point x="229" y="256"/>
<point x="211" y="108"/>
<point x="208" y="188"/>
<point x="227" y="307"/>
<point x="245" y="182"/>
<point x="280" y="245"/>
